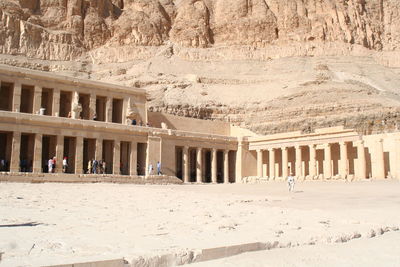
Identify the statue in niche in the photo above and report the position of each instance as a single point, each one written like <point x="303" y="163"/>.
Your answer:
<point x="76" y="106"/>
<point x="132" y="112"/>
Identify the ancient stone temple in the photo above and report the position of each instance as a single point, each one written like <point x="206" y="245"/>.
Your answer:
<point x="44" y="116"/>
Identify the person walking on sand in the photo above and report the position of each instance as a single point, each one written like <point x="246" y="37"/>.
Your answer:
<point x="290" y="181"/>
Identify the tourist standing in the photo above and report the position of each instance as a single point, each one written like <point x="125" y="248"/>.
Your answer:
<point x="159" y="168"/>
<point x="290" y="181"/>
<point x="150" y="169"/>
<point x="50" y="165"/>
<point x="104" y="166"/>
<point x="89" y="168"/>
<point x="95" y="166"/>
<point x="65" y="165"/>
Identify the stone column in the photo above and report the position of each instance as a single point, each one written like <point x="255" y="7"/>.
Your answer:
<point x="79" y="155"/>
<point x="226" y="166"/>
<point x="361" y="171"/>
<point x="16" y="105"/>
<point x="271" y="163"/>
<point x="133" y="159"/>
<point x="15" y="152"/>
<point x="117" y="157"/>
<point x="109" y="109"/>
<point x="328" y="163"/>
<point x="186" y="166"/>
<point x="37" y="156"/>
<point x="344" y="170"/>
<point x="214" y="166"/>
<point x="199" y="167"/>
<point x="380" y="160"/>
<point x="298" y="162"/>
<point x="37" y="99"/>
<point x="59" y="153"/>
<point x="92" y="106"/>
<point x="313" y="161"/>
<point x="56" y="103"/>
<point x="285" y="171"/>
<point x="259" y="163"/>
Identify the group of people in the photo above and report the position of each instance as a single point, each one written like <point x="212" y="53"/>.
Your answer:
<point x="96" y="166"/>
<point x="51" y="165"/>
<point x="139" y="123"/>
<point x="151" y="169"/>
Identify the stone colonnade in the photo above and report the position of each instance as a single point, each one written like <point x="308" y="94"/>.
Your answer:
<point x="200" y="164"/>
<point x="314" y="166"/>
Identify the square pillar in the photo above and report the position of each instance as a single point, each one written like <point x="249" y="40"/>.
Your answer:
<point x="37" y="99"/>
<point x="109" y="109"/>
<point x="259" y="163"/>
<point x="380" y="160"/>
<point x="199" y="165"/>
<point x="271" y="163"/>
<point x="285" y="170"/>
<point x="99" y="149"/>
<point x="214" y="166"/>
<point x="117" y="157"/>
<point x="15" y="152"/>
<point x="92" y="106"/>
<point x="313" y="161"/>
<point x="298" y="162"/>
<point x="16" y="105"/>
<point x="79" y="155"/>
<point x="226" y="166"/>
<point x="59" y="153"/>
<point x="343" y="170"/>
<point x="56" y="103"/>
<point x="37" y="156"/>
<point x="133" y="159"/>
<point x="185" y="154"/>
<point x="328" y="161"/>
<point x="361" y="170"/>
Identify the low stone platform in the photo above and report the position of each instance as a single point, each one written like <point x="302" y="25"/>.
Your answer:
<point x="87" y="178"/>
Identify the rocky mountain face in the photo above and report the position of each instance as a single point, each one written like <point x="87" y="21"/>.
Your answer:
<point x="197" y="57"/>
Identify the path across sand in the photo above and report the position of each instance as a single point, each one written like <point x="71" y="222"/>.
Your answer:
<point x="87" y="222"/>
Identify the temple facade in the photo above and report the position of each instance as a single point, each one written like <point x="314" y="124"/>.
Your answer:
<point x="45" y="116"/>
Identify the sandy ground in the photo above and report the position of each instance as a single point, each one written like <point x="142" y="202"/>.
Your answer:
<point x="84" y="222"/>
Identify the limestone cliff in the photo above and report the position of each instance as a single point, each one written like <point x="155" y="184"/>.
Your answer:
<point x="269" y="65"/>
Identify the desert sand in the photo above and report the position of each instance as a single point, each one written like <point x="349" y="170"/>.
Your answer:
<point x="87" y="222"/>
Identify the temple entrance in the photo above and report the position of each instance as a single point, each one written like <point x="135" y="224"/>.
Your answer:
<point x="125" y="158"/>
<point x="108" y="155"/>
<point x="178" y="162"/>
<point x="26" y="152"/>
<point x="117" y="106"/>
<point x="65" y="104"/>
<point x="47" y="101"/>
<point x="220" y="167"/>
<point x="49" y="144"/>
<point x="84" y="100"/>
<point x="320" y="157"/>
<point x="232" y="166"/>
<point x="192" y="164"/>
<point x="101" y="108"/>
<point x="89" y="154"/>
<point x="6" y="96"/>
<point x="27" y="99"/>
<point x="207" y="166"/>
<point x="5" y="152"/>
<point x="69" y="153"/>
<point x="141" y="158"/>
